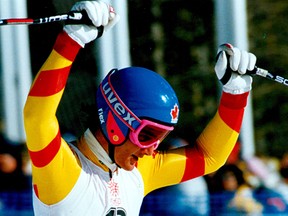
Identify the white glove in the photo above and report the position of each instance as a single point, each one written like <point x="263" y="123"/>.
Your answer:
<point x="235" y="81"/>
<point x="100" y="14"/>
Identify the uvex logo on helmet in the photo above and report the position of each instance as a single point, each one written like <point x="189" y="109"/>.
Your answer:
<point x="117" y="106"/>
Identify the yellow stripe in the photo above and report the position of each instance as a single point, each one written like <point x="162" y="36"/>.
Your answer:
<point x="55" y="61"/>
<point x="42" y="134"/>
<point x="216" y="142"/>
<point x="166" y="169"/>
<point x="58" y="176"/>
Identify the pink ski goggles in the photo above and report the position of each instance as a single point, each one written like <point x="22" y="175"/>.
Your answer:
<point x="149" y="134"/>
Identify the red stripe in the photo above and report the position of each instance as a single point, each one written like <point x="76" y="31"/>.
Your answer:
<point x="20" y="20"/>
<point x="231" y="109"/>
<point x="233" y="118"/>
<point x="50" y="82"/>
<point x="66" y="46"/>
<point x="45" y="156"/>
<point x="195" y="164"/>
<point x="234" y="101"/>
<point x="36" y="190"/>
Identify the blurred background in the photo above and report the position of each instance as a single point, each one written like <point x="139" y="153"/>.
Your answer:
<point x="176" y="38"/>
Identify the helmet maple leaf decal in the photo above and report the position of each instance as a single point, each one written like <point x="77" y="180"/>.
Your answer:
<point x="174" y="113"/>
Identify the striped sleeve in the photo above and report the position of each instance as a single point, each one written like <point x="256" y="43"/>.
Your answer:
<point x="217" y="140"/>
<point x="211" y="151"/>
<point x="52" y="160"/>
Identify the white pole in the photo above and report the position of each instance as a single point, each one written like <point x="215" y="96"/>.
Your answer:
<point x="114" y="48"/>
<point x="105" y="55"/>
<point x="231" y="27"/>
<point x="121" y="36"/>
<point x="16" y="69"/>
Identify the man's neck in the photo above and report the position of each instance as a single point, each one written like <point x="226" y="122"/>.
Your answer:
<point x="94" y="147"/>
<point x="86" y="151"/>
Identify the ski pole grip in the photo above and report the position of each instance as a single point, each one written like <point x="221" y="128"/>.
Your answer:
<point x="81" y="17"/>
<point x="228" y="49"/>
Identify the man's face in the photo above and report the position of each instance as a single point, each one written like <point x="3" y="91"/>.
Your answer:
<point x="126" y="155"/>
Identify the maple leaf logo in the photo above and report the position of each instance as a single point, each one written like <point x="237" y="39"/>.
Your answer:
<point x="174" y="113"/>
<point x="114" y="188"/>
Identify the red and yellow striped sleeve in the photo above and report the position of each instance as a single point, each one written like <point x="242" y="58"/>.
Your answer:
<point x="54" y="167"/>
<point x="210" y="152"/>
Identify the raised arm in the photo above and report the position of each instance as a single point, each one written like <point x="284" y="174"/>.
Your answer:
<point x="54" y="166"/>
<point x="217" y="140"/>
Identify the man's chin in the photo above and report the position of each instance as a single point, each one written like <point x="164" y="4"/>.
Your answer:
<point x="129" y="167"/>
<point x="130" y="164"/>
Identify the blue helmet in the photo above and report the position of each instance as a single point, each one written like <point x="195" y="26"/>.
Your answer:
<point x="125" y="96"/>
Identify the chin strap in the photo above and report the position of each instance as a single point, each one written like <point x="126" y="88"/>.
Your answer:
<point x="111" y="151"/>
